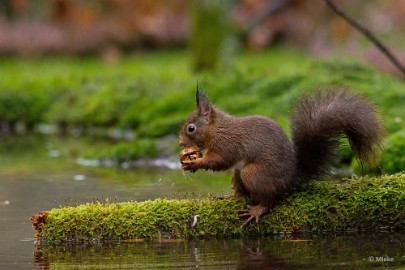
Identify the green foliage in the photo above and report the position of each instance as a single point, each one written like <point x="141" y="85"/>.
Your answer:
<point x="209" y="27"/>
<point x="167" y="115"/>
<point x="393" y="158"/>
<point x="98" y="103"/>
<point x="368" y="203"/>
<point x="345" y="151"/>
<point x="86" y="92"/>
<point x="27" y="104"/>
<point x="127" y="151"/>
<point x="152" y="94"/>
<point x="139" y="91"/>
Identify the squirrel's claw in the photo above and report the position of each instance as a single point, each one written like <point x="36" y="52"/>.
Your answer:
<point x="189" y="165"/>
<point x="252" y="212"/>
<point x="248" y="220"/>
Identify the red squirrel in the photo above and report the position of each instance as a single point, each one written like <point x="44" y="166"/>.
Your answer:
<point x="265" y="163"/>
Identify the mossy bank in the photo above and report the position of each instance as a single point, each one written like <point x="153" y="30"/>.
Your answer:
<point x="367" y="203"/>
<point x="146" y="97"/>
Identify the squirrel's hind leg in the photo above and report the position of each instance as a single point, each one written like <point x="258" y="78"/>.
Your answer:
<point x="237" y="184"/>
<point x="259" y="184"/>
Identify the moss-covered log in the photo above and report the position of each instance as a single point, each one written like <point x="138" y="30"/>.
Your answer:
<point x="368" y="203"/>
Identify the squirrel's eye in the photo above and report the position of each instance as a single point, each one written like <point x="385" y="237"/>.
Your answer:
<point x="191" y="128"/>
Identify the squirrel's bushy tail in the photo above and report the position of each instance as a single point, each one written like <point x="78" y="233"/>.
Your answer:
<point x="321" y="119"/>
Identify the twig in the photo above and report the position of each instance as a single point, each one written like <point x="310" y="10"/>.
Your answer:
<point x="368" y="34"/>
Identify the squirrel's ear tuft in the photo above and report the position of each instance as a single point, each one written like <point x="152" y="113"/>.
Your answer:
<point x="203" y="104"/>
<point x="200" y="96"/>
<point x="197" y="95"/>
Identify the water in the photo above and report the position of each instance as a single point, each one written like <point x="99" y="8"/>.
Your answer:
<point x="329" y="252"/>
<point x="41" y="173"/>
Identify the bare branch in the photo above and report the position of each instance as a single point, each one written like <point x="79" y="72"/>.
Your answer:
<point x="368" y="34"/>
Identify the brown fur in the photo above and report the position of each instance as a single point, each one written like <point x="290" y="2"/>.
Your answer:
<point x="265" y="163"/>
<point x="319" y="121"/>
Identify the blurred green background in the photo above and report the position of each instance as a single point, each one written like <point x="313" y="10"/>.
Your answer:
<point x="124" y="72"/>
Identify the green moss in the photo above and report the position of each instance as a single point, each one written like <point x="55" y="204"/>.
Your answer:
<point x="161" y="218"/>
<point x="368" y="203"/>
<point x="364" y="203"/>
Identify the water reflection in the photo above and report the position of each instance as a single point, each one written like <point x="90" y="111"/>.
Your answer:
<point x="320" y="252"/>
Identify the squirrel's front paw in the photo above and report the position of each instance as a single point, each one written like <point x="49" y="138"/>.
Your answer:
<point x="189" y="165"/>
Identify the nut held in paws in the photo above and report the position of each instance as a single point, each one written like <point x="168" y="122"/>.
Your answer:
<point x="190" y="153"/>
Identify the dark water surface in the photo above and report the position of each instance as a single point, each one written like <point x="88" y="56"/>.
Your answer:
<point x="43" y="175"/>
<point x="328" y="252"/>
